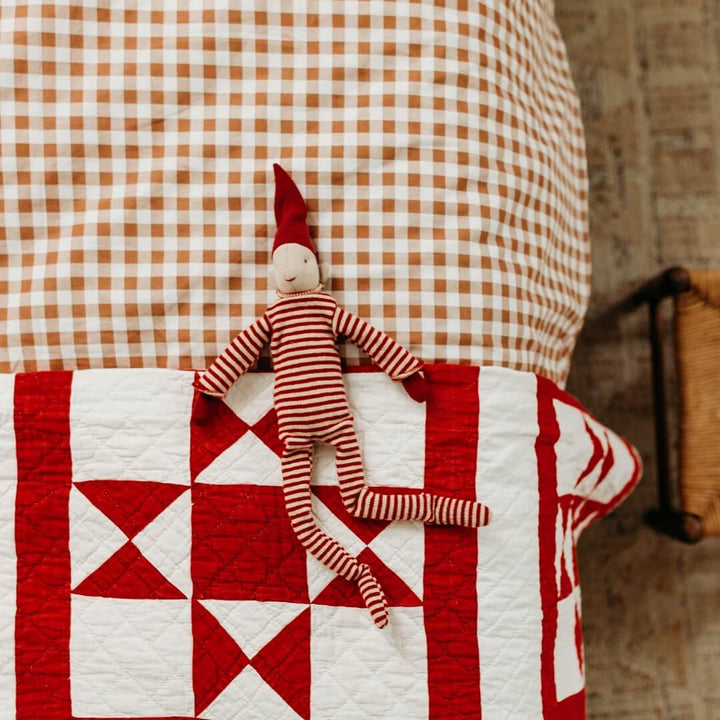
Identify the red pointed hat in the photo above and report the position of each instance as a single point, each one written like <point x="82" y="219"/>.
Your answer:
<point x="290" y="213"/>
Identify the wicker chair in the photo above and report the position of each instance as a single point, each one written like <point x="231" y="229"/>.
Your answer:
<point x="697" y="357"/>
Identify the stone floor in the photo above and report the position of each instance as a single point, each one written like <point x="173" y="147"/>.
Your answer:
<point x="648" y="75"/>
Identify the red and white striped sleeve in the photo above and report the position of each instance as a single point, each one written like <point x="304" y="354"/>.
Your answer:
<point x="236" y="359"/>
<point x="385" y="352"/>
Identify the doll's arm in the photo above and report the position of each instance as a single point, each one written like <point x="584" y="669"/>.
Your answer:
<point x="385" y="352"/>
<point x="235" y="360"/>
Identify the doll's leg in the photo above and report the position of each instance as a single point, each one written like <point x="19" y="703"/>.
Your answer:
<point x="361" y="501"/>
<point x="296" y="472"/>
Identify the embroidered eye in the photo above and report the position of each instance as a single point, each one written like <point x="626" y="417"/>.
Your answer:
<point x="306" y="261"/>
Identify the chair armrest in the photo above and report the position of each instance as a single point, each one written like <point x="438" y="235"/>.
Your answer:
<point x="670" y="282"/>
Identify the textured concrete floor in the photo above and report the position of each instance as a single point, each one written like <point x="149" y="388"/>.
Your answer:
<point x="648" y="75"/>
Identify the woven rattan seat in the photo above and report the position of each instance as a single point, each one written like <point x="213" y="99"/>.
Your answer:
<point x="697" y="349"/>
<point x="696" y="323"/>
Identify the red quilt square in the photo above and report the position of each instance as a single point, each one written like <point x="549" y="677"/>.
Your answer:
<point x="243" y="546"/>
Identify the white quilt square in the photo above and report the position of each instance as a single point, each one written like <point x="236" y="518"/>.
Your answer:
<point x="131" y="658"/>
<point x="131" y="425"/>
<point x="361" y="672"/>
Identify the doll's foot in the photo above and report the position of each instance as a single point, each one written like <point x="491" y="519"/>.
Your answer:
<point x="454" y="511"/>
<point x="373" y="596"/>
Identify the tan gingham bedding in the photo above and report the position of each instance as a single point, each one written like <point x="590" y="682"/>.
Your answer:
<point x="439" y="147"/>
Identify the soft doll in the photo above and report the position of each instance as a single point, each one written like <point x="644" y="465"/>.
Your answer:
<point x="303" y="327"/>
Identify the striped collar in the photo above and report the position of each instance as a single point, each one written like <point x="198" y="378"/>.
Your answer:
<point x="300" y="292"/>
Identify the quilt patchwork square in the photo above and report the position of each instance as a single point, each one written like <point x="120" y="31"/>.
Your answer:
<point x="360" y="673"/>
<point x="244" y="547"/>
<point x="130" y="426"/>
<point x="131" y="658"/>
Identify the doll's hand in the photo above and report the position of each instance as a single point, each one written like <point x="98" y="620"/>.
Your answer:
<point x="203" y="408"/>
<point x="416" y="386"/>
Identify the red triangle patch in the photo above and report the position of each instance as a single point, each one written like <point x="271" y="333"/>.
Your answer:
<point x="127" y="574"/>
<point x="596" y="454"/>
<point x="267" y="430"/>
<point x="222" y="429"/>
<point x="130" y="504"/>
<point x="343" y="593"/>
<point x="579" y="640"/>
<point x="217" y="659"/>
<point x="284" y="664"/>
<point x="367" y="530"/>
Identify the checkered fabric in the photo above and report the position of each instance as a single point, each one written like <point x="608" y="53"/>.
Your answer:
<point x="438" y="145"/>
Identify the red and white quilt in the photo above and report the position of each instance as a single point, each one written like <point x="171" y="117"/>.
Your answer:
<point x="148" y="570"/>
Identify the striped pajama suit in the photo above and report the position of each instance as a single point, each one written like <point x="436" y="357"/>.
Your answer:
<point x="311" y="405"/>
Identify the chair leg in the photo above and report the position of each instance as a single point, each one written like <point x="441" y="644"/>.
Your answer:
<point x="676" y="524"/>
<point x="662" y="451"/>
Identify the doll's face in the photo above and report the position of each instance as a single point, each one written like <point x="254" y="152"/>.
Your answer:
<point x="295" y="268"/>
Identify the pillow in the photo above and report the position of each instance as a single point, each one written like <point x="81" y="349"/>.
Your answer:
<point x="439" y="147"/>
<point x="148" y="568"/>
